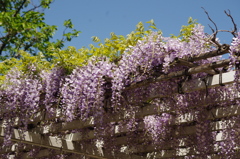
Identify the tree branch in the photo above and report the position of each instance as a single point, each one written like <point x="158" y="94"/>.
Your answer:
<point x="214" y="32"/>
<point x="4" y="42"/>
<point x="19" y="8"/>
<point x="234" y="32"/>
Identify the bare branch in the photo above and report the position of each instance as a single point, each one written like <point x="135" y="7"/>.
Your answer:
<point x="36" y="7"/>
<point x="234" y="31"/>
<point x="211" y="28"/>
<point x="32" y="9"/>
<point x="214" y="31"/>
<point x="20" y="7"/>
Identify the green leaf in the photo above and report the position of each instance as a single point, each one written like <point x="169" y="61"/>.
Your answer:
<point x="68" y="23"/>
<point x="153" y="27"/>
<point x="151" y="22"/>
<point x="95" y="39"/>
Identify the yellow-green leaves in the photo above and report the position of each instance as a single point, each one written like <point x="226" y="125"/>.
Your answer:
<point x="115" y="46"/>
<point x="68" y="23"/>
<point x="152" y="24"/>
<point x="186" y="30"/>
<point x="70" y="58"/>
<point x="140" y="27"/>
<point x="46" y="3"/>
<point x="24" y="62"/>
<point x="95" y="39"/>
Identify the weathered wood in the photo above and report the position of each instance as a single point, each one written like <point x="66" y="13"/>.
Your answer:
<point x="180" y="153"/>
<point x="195" y="70"/>
<point x="182" y="62"/>
<point x="179" y="61"/>
<point x="182" y="149"/>
<point x="222" y="50"/>
<point x="9" y="149"/>
<point x="61" y="144"/>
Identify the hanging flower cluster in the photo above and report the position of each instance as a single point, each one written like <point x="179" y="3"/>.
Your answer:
<point x="157" y="126"/>
<point x="83" y="90"/>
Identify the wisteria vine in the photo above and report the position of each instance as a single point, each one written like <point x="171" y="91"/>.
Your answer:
<point x="102" y="89"/>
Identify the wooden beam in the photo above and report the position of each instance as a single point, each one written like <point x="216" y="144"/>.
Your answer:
<point x="179" y="61"/>
<point x="222" y="50"/>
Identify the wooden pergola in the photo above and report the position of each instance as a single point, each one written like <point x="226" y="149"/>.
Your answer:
<point x="45" y="137"/>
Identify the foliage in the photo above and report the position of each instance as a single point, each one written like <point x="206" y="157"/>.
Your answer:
<point x="22" y="27"/>
<point x="70" y="57"/>
<point x="115" y="46"/>
<point x="24" y="63"/>
<point x="186" y="30"/>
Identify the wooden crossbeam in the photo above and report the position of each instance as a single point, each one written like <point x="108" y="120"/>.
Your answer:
<point x="222" y="50"/>
<point x="186" y="131"/>
<point x="182" y="62"/>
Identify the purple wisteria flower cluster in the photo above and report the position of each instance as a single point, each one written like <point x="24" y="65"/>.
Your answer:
<point x="51" y="82"/>
<point x="84" y="93"/>
<point x="158" y="128"/>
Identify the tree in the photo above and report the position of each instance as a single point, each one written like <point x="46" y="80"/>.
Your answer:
<point x="22" y="27"/>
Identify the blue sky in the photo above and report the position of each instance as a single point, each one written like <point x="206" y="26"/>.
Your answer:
<point x="101" y="17"/>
